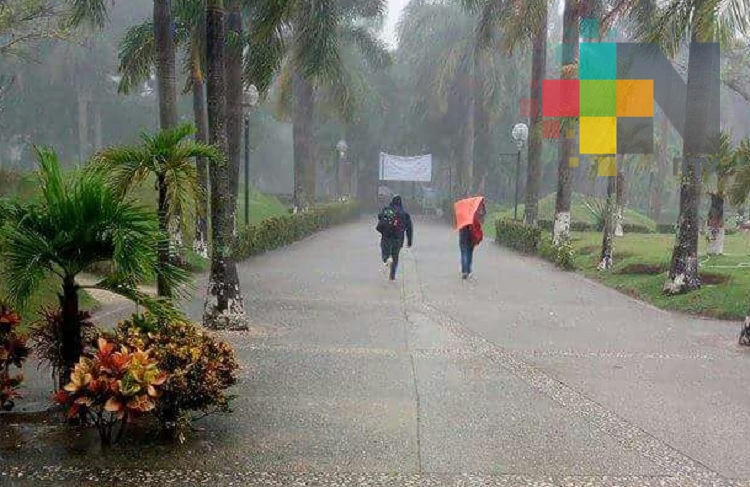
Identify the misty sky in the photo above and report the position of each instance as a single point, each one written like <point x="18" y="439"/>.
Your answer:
<point x="394" y="12"/>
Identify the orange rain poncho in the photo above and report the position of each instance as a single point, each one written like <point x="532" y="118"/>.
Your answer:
<point x="466" y="210"/>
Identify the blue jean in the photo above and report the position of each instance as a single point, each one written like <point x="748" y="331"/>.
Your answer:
<point x="467" y="250"/>
<point x="391" y="247"/>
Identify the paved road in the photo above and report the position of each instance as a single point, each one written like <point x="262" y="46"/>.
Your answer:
<point x="526" y="376"/>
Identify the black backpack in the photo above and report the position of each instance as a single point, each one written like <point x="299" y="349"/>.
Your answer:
<point x="389" y="222"/>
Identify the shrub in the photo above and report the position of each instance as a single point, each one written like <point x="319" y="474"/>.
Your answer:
<point x="279" y="231"/>
<point x="111" y="387"/>
<point x="666" y="228"/>
<point x="562" y="255"/>
<point x="200" y="368"/>
<point x="45" y="337"/>
<point x="13" y="353"/>
<point x="635" y="228"/>
<point x="516" y="235"/>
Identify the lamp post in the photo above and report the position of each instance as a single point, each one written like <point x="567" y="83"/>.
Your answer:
<point x="520" y="134"/>
<point x="342" y="147"/>
<point x="249" y="100"/>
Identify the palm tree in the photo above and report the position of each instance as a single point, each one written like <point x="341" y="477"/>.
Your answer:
<point x="314" y="33"/>
<point x="698" y="21"/>
<point x="167" y="157"/>
<point x="224" y="306"/>
<point x="234" y="76"/>
<point x="606" y="259"/>
<point x="80" y="221"/>
<point x="94" y="12"/>
<point x="724" y="162"/>
<point x="520" y="21"/>
<point x="137" y="59"/>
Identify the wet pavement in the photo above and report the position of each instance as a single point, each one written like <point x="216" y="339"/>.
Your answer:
<point x="524" y="376"/>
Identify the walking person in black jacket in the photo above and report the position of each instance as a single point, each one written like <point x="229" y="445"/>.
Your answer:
<point x="393" y="223"/>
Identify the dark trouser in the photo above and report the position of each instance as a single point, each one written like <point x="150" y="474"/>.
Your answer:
<point x="390" y="247"/>
<point x="467" y="251"/>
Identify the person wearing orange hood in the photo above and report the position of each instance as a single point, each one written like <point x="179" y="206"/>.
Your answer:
<point x="470" y="214"/>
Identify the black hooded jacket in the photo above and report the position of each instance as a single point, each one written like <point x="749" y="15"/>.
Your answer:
<point x="398" y="207"/>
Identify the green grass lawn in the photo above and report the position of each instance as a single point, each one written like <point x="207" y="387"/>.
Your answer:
<point x="641" y="269"/>
<point x="578" y="212"/>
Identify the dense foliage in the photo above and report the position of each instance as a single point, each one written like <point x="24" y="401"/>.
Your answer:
<point x="13" y="353"/>
<point x="276" y="232"/>
<point x="200" y="368"/>
<point x="517" y="236"/>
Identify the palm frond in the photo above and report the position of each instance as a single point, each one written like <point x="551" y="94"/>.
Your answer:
<point x="90" y="12"/>
<point x="137" y="57"/>
<point x="372" y="47"/>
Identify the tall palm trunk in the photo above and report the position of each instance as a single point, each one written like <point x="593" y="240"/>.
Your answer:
<point x="683" y="269"/>
<point x="233" y="63"/>
<point x="659" y="174"/>
<point x="72" y="343"/>
<point x="538" y="66"/>
<point x="716" y="224"/>
<point x="302" y="120"/>
<point x="620" y="201"/>
<point x="608" y="232"/>
<point x="167" y="91"/>
<point x="84" y="99"/>
<point x="561" y="231"/>
<point x="467" y="179"/>
<point x="224" y="308"/>
<point x="201" y="135"/>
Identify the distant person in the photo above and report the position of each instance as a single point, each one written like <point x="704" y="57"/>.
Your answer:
<point x="393" y="223"/>
<point x="470" y="215"/>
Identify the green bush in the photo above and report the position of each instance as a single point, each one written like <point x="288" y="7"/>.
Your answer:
<point x="279" y="231"/>
<point x="665" y="228"/>
<point x="635" y="228"/>
<point x="517" y="236"/>
<point x="563" y="255"/>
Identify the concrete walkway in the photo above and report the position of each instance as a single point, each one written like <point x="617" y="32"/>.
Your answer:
<point x="525" y="376"/>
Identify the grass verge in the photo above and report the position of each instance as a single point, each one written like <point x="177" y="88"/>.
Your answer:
<point x="641" y="264"/>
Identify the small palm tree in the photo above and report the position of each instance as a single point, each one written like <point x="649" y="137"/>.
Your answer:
<point x="78" y="222"/>
<point x="167" y="156"/>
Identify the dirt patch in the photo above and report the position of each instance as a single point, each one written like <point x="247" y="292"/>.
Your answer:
<point x="640" y="268"/>
<point x="713" y="279"/>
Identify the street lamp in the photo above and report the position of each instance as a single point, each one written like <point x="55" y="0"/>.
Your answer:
<point x="520" y="134"/>
<point x="342" y="147"/>
<point x="249" y="100"/>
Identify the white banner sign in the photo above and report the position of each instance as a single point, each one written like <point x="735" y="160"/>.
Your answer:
<point x="398" y="168"/>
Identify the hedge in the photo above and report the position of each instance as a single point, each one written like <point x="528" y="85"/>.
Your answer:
<point x="579" y="226"/>
<point x="279" y="231"/>
<point x="517" y="236"/>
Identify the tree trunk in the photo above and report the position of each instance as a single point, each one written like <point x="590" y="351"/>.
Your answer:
<point x="561" y="230"/>
<point x="608" y="240"/>
<point x="716" y="225"/>
<point x="482" y="129"/>
<point x="199" y="115"/>
<point x="167" y="96"/>
<point x="162" y="288"/>
<point x="233" y="63"/>
<point x="98" y="139"/>
<point x="620" y="200"/>
<point x="165" y="63"/>
<point x="538" y="67"/>
<point x="659" y="173"/>
<point x="84" y="99"/>
<point x="683" y="270"/>
<point x="72" y="343"/>
<point x="302" y="120"/>
<point x="224" y="307"/>
<point x="467" y="173"/>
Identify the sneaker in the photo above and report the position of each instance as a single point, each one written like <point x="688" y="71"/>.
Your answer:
<point x="465" y="276"/>
<point x="389" y="262"/>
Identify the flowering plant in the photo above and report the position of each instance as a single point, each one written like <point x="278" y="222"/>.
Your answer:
<point x="13" y="353"/>
<point x="112" y="386"/>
